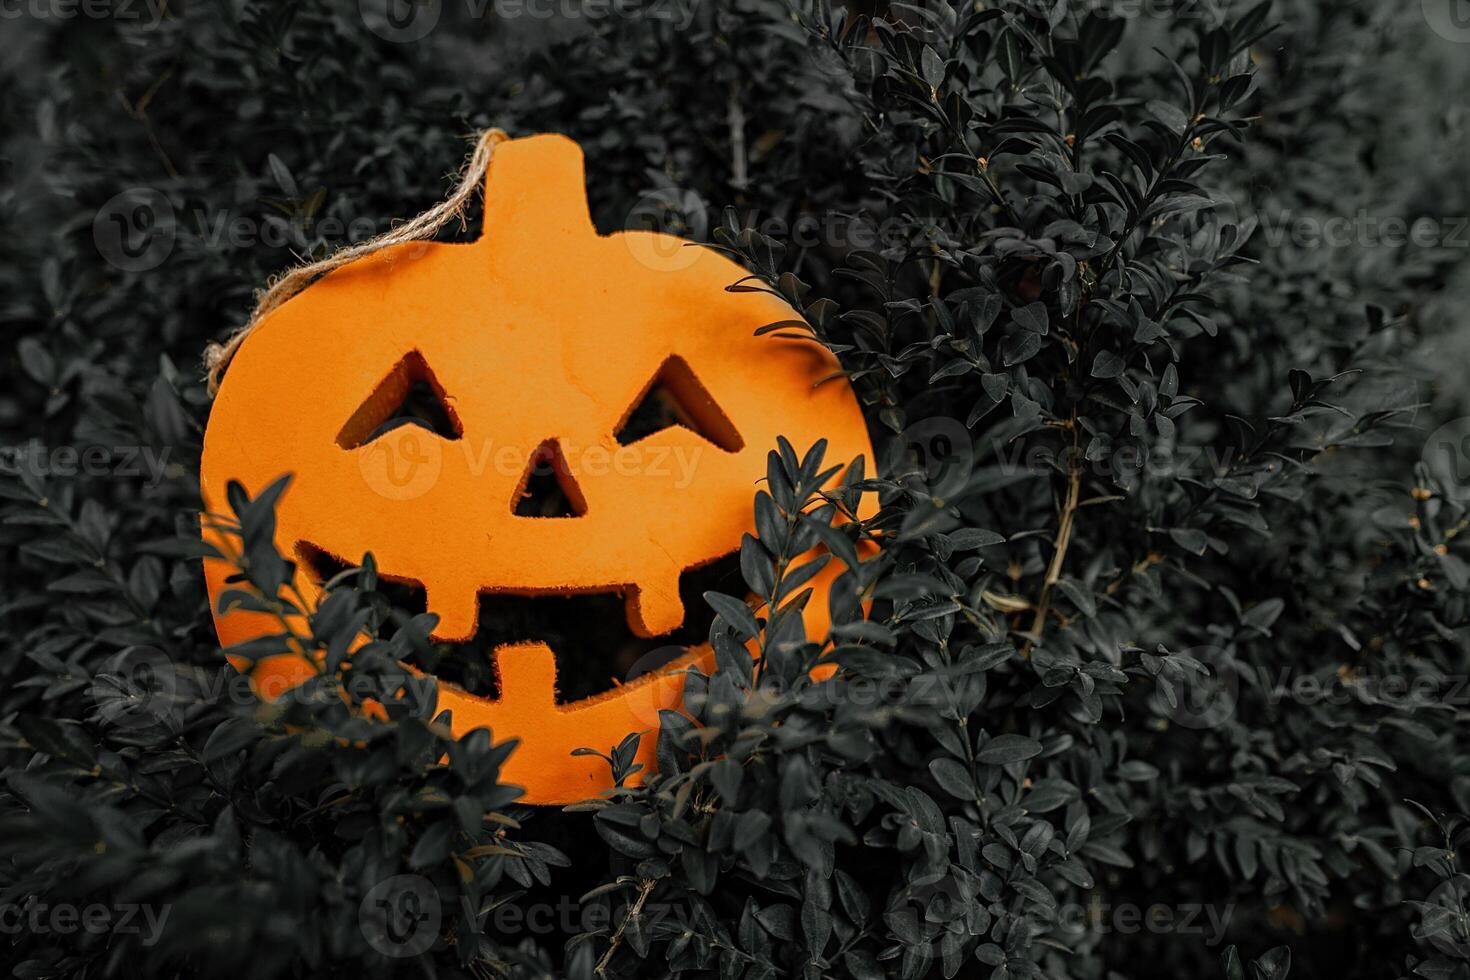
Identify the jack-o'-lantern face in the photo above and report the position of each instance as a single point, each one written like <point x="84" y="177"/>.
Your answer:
<point x="553" y="436"/>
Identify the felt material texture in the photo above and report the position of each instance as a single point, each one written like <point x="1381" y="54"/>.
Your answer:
<point x="535" y="343"/>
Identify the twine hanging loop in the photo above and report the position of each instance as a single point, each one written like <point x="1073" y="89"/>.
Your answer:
<point x="217" y="356"/>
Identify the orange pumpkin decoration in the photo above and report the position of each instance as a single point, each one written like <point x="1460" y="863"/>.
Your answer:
<point x="534" y="354"/>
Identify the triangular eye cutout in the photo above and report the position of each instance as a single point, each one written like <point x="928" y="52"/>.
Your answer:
<point x="409" y="395"/>
<point x="547" y="489"/>
<point x="675" y="397"/>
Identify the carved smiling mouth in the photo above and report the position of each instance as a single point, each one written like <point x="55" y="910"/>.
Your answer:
<point x="588" y="632"/>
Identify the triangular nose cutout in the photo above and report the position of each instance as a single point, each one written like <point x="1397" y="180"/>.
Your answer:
<point x="548" y="489"/>
<point x="675" y="397"/>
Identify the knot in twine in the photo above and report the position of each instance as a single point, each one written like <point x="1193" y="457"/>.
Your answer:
<point x="282" y="287"/>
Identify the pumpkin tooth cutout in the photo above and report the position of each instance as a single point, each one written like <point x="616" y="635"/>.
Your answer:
<point x="656" y="609"/>
<point x="541" y="328"/>
<point x="594" y="647"/>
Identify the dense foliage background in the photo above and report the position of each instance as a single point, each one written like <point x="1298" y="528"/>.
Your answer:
<point x="1154" y="309"/>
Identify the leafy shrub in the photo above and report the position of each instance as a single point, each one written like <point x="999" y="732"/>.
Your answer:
<point x="1163" y="647"/>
